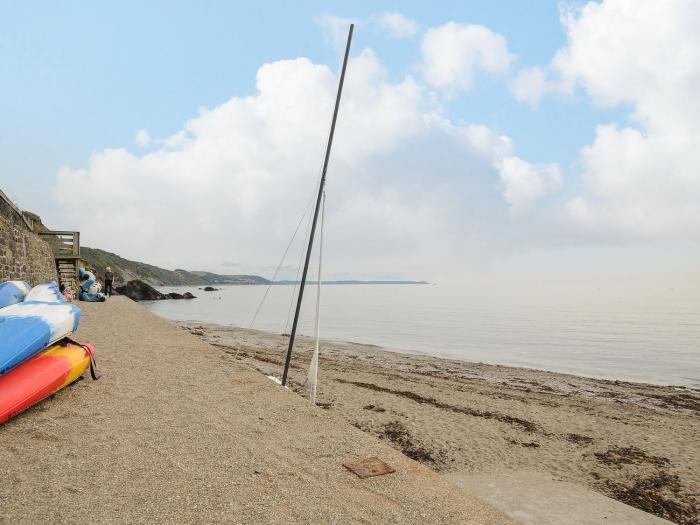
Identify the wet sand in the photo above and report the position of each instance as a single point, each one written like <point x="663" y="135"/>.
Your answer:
<point x="637" y="443"/>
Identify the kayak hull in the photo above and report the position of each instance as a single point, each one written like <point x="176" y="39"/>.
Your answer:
<point x="29" y="327"/>
<point x="47" y="293"/>
<point x="42" y="375"/>
<point x="13" y="292"/>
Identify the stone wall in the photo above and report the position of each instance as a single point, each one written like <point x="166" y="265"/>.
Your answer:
<point x="23" y="255"/>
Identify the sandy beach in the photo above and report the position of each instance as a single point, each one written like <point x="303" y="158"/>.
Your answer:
<point x="177" y="431"/>
<point x="636" y="443"/>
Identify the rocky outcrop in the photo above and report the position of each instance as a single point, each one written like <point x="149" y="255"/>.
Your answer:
<point x="173" y="295"/>
<point x="140" y="291"/>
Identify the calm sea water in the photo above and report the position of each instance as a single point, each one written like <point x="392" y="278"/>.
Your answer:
<point x="648" y="337"/>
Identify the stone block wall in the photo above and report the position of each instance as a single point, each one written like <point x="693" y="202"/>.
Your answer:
<point x="23" y="255"/>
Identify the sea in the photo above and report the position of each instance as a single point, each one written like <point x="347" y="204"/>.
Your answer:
<point x="650" y="337"/>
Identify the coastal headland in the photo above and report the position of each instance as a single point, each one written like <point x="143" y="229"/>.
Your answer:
<point x="472" y="422"/>
<point x="179" y="431"/>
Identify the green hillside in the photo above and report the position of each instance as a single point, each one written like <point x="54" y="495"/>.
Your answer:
<point x="126" y="270"/>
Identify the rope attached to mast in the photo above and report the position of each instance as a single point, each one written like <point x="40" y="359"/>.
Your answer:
<point x="312" y="377"/>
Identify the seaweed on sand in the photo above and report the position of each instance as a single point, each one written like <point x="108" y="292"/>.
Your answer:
<point x="399" y="435"/>
<point x="579" y="439"/>
<point x="517" y="422"/>
<point x="617" y="456"/>
<point x="658" y="494"/>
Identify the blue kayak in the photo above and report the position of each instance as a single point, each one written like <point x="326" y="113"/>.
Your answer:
<point x="46" y="293"/>
<point x="13" y="292"/>
<point x="26" y="328"/>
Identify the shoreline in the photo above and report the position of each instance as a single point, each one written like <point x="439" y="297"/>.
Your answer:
<point x="597" y="352"/>
<point x="303" y="343"/>
<point x="637" y="443"/>
<point x="447" y="357"/>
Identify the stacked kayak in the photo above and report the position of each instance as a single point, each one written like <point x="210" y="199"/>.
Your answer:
<point x="26" y="328"/>
<point x="46" y="293"/>
<point x="35" y="359"/>
<point x="42" y="375"/>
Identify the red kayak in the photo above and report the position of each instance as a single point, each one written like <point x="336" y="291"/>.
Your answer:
<point x="42" y="375"/>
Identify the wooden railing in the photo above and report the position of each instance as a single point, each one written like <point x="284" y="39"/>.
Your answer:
<point x="66" y="251"/>
<point x="65" y="244"/>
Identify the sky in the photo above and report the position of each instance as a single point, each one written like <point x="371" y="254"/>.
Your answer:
<point x="476" y="141"/>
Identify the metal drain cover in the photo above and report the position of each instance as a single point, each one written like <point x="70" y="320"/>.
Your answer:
<point x="369" y="467"/>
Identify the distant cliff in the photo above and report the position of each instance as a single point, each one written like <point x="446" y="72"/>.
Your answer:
<point x="126" y="270"/>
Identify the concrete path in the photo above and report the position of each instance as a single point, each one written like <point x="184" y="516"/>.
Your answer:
<point x="534" y="498"/>
<point x="178" y="431"/>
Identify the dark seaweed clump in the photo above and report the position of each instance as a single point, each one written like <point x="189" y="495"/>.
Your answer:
<point x="395" y="432"/>
<point x="618" y="456"/>
<point x="659" y="492"/>
<point x="651" y="494"/>
<point x="579" y="439"/>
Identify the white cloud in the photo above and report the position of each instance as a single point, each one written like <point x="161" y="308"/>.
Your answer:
<point x="530" y="85"/>
<point x="396" y="25"/>
<point x="640" y="180"/>
<point x="232" y="183"/>
<point x="525" y="183"/>
<point x="452" y="53"/>
<point x="335" y="28"/>
<point x="142" y="137"/>
<point x="641" y="184"/>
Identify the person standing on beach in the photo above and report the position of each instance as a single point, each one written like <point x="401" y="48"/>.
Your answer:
<point x="109" y="280"/>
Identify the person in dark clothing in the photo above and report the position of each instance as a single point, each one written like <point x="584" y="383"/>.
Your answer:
<point x="109" y="280"/>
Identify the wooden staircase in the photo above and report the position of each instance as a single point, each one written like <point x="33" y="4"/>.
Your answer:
<point x="66" y="250"/>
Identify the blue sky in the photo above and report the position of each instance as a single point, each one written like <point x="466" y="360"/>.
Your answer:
<point x="79" y="80"/>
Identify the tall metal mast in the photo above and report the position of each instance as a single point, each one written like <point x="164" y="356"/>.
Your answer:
<point x="318" y="205"/>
